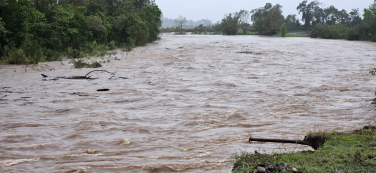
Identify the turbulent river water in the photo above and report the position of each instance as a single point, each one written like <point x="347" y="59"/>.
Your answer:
<point x="183" y="103"/>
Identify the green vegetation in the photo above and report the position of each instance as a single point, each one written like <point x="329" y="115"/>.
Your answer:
<point x="230" y="24"/>
<point x="267" y="20"/>
<point x="329" y="22"/>
<point x="292" y="35"/>
<point x="44" y="30"/>
<point x="373" y="73"/>
<point x="337" y="31"/>
<point x="283" y="30"/>
<point x="82" y="64"/>
<point x="353" y="152"/>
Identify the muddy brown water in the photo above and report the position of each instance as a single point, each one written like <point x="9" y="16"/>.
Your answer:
<point x="184" y="103"/>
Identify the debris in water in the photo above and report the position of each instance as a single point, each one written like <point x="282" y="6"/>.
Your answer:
<point x="104" y="89"/>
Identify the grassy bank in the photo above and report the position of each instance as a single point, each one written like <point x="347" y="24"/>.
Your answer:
<point x="292" y="35"/>
<point x="351" y="152"/>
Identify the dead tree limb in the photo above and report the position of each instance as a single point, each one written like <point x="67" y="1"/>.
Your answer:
<point x="86" y="76"/>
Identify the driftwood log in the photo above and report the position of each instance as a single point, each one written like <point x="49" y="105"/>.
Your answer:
<point x="313" y="142"/>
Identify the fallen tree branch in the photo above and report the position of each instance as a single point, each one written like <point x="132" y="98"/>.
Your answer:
<point x="84" y="77"/>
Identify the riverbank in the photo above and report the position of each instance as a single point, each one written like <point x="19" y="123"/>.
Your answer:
<point x="346" y="152"/>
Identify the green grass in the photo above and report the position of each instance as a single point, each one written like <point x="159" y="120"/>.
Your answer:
<point x="341" y="153"/>
<point x="291" y="35"/>
<point x="248" y="33"/>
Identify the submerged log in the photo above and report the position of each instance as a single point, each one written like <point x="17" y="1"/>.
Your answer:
<point x="313" y="144"/>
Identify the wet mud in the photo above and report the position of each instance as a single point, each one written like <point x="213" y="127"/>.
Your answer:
<point x="184" y="103"/>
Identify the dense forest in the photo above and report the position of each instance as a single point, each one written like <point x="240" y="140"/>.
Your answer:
<point x="32" y="31"/>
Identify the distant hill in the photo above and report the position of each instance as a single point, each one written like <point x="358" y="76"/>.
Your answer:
<point x="167" y="22"/>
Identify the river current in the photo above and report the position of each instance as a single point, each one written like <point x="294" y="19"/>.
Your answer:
<point x="183" y="103"/>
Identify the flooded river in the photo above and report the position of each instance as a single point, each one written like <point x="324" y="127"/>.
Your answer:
<point x="183" y="103"/>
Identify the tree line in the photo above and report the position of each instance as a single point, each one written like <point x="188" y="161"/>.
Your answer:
<point x="44" y="30"/>
<point x="328" y="22"/>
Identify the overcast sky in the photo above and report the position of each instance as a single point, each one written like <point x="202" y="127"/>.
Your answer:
<point x="215" y="9"/>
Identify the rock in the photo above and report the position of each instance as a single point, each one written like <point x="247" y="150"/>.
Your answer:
<point x="261" y="169"/>
<point x="294" y="169"/>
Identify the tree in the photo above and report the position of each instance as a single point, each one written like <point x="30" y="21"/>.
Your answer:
<point x="180" y="21"/>
<point x="3" y="37"/>
<point x="268" y="19"/>
<point x="291" y="22"/>
<point x="230" y="24"/>
<point x="331" y="15"/>
<point x="272" y="22"/>
<point x="308" y="12"/>
<point x="355" y="18"/>
<point x="244" y="20"/>
<point x="37" y="28"/>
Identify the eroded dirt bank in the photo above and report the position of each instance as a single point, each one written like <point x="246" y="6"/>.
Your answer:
<point x="188" y="104"/>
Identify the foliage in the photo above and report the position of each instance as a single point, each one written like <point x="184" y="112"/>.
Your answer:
<point x="268" y="19"/>
<point x="292" y="23"/>
<point x="112" y="45"/>
<point x="211" y="29"/>
<point x="293" y="35"/>
<point x="338" y="31"/>
<point x="230" y="24"/>
<point x="72" y="27"/>
<point x="244" y="21"/>
<point x="353" y="152"/>
<point x="313" y="14"/>
<point x="82" y="64"/>
<point x="283" y="30"/>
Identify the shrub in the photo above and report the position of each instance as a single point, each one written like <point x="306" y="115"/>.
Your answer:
<point x="79" y="64"/>
<point x="82" y="64"/>
<point x="338" y="31"/>
<point x="112" y="45"/>
<point x="15" y="56"/>
<point x="283" y="30"/>
<point x="74" y="53"/>
<point x="29" y="53"/>
<point x="95" y="64"/>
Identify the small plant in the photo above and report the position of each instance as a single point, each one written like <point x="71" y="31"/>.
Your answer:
<point x="358" y="156"/>
<point x="82" y="64"/>
<point x="324" y="160"/>
<point x="112" y="45"/>
<point x="283" y="30"/>
<point x="95" y="64"/>
<point x="79" y="64"/>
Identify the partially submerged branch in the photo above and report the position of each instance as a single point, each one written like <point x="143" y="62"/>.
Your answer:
<point x="84" y="77"/>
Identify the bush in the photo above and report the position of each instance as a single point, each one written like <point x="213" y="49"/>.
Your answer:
<point x="79" y="64"/>
<point x="112" y="45"/>
<point x="74" y="53"/>
<point x="82" y="64"/>
<point x="95" y="64"/>
<point x="283" y="30"/>
<point x="15" y="56"/>
<point x="29" y="53"/>
<point x="338" y="31"/>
